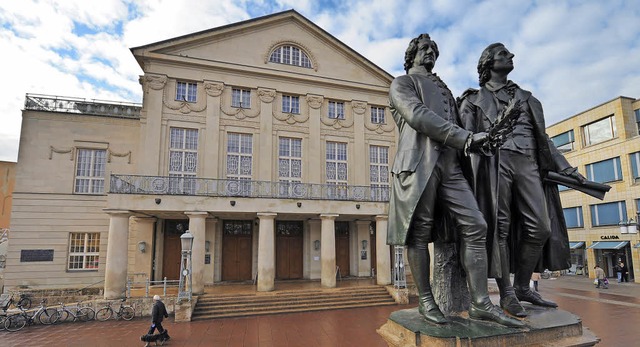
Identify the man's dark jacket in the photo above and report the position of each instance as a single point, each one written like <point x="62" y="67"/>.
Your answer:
<point x="425" y="112"/>
<point x="158" y="312"/>
<point x="478" y="110"/>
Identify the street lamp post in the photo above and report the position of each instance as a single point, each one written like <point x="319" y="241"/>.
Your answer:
<point x="184" y="289"/>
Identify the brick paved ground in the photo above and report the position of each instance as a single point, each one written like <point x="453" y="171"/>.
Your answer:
<point x="613" y="315"/>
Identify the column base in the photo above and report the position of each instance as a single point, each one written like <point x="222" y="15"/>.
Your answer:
<point x="545" y="327"/>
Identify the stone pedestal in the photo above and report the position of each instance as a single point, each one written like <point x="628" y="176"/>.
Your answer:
<point x="545" y="327"/>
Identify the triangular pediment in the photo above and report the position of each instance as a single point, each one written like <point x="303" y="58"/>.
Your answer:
<point x="247" y="46"/>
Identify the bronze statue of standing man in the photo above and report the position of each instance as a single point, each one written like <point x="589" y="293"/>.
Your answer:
<point x="521" y="211"/>
<point x="427" y="176"/>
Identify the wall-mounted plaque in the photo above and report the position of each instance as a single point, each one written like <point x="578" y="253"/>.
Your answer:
<point x="29" y="255"/>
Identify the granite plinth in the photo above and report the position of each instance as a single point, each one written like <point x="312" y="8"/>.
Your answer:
<point x="544" y="327"/>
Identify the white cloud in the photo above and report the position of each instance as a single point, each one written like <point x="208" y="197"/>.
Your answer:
<point x="572" y="55"/>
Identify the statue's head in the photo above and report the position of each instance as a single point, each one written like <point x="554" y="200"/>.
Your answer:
<point x="421" y="51"/>
<point x="495" y="57"/>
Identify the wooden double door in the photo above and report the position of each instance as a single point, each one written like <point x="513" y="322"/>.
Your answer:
<point x="289" y="243"/>
<point x="342" y="248"/>
<point x="237" y="252"/>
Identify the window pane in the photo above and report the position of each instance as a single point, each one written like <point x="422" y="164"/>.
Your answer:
<point x="599" y="131"/>
<point x="605" y="171"/>
<point x="635" y="167"/>
<point x="608" y="214"/>
<point x="573" y="217"/>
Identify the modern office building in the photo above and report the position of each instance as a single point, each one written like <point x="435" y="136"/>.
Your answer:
<point x="603" y="143"/>
<point x="269" y="140"/>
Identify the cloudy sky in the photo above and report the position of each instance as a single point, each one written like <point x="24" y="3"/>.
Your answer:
<point x="572" y="55"/>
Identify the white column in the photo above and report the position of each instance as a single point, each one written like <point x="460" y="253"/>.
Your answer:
<point x="328" y="250"/>
<point x="115" y="274"/>
<point x="383" y="262"/>
<point x="266" y="252"/>
<point x="197" y="227"/>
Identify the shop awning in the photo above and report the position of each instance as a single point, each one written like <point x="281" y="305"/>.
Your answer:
<point x="608" y="245"/>
<point x="574" y="245"/>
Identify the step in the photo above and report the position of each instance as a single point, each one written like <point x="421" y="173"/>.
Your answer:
<point x="258" y="299"/>
<point x="289" y="304"/>
<point x="286" y="310"/>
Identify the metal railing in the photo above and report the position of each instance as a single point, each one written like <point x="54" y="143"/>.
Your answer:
<point x="399" y="277"/>
<point x="164" y="185"/>
<point x="52" y="103"/>
<point x="147" y="283"/>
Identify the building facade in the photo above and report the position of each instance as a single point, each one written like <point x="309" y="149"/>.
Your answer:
<point x="269" y="140"/>
<point x="603" y="143"/>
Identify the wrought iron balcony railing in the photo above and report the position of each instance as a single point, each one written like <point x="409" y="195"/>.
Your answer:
<point x="163" y="185"/>
<point x="37" y="102"/>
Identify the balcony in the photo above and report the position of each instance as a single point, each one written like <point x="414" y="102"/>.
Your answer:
<point x="52" y="103"/>
<point x="164" y="185"/>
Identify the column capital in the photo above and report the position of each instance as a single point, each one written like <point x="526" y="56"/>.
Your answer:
<point x="114" y="212"/>
<point x="267" y="215"/>
<point x="382" y="217"/>
<point x="196" y="214"/>
<point x="330" y="216"/>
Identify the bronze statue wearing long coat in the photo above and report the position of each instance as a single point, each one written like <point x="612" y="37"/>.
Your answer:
<point x="418" y="100"/>
<point x="477" y="110"/>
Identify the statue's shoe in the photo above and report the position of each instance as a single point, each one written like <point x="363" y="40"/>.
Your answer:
<point x="533" y="297"/>
<point x="512" y="306"/>
<point x="432" y="313"/>
<point x="491" y="313"/>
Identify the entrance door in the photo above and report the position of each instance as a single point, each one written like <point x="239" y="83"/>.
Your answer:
<point x="236" y="250"/>
<point x="288" y="250"/>
<point x="342" y="248"/>
<point x="171" y="253"/>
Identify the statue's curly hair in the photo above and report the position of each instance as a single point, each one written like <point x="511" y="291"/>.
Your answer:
<point x="486" y="62"/>
<point x="411" y="51"/>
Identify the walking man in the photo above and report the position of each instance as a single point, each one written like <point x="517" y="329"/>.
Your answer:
<point x="158" y="313"/>
<point x="427" y="176"/>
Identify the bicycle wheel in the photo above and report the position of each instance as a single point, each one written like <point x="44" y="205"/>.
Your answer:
<point x="25" y="303"/>
<point x="48" y="316"/>
<point x="15" y="322"/>
<point x="86" y="314"/>
<point x="64" y="316"/>
<point x="128" y="313"/>
<point x="104" y="313"/>
<point x="3" y="318"/>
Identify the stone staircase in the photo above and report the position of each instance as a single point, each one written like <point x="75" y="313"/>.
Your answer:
<point x="212" y="306"/>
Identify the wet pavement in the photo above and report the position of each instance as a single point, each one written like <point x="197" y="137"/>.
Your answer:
<point x="612" y="314"/>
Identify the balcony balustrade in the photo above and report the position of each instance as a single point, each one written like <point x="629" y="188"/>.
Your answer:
<point x="165" y="185"/>
<point x="51" y="103"/>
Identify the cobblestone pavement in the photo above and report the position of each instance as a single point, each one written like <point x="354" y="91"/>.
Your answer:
<point x="612" y="314"/>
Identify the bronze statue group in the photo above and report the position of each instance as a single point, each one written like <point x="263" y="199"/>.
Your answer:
<point x="472" y="169"/>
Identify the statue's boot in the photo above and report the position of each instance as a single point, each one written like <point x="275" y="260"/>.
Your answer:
<point x="474" y="260"/>
<point x="528" y="259"/>
<point x="508" y="300"/>
<point x="419" y="264"/>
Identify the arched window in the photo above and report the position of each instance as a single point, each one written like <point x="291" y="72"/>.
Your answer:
<point x="290" y="55"/>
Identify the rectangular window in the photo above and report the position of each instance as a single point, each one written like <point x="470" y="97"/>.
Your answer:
<point x="289" y="165"/>
<point x="90" y="170"/>
<point x="610" y="213"/>
<point x="336" y="169"/>
<point x="564" y="142"/>
<point x="239" y="163"/>
<point x="377" y="115"/>
<point x="336" y="110"/>
<point x="290" y="104"/>
<point x="573" y="217"/>
<point x="183" y="160"/>
<point x="84" y="249"/>
<point x="240" y="98"/>
<point x="635" y="165"/>
<point x="605" y="171"/>
<point x="599" y="131"/>
<point x="379" y="172"/>
<point x="186" y="91"/>
<point x="637" y="112"/>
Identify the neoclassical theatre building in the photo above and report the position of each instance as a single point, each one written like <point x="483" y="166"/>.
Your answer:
<point x="269" y="140"/>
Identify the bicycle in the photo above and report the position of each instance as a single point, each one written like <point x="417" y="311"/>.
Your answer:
<point x="125" y="312"/>
<point x="19" y="320"/>
<point x="82" y="314"/>
<point x="24" y="301"/>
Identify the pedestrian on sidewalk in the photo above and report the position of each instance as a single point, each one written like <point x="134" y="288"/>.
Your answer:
<point x="535" y="277"/>
<point x="618" y="271"/>
<point x="624" y="272"/>
<point x="158" y="313"/>
<point x="600" y="277"/>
